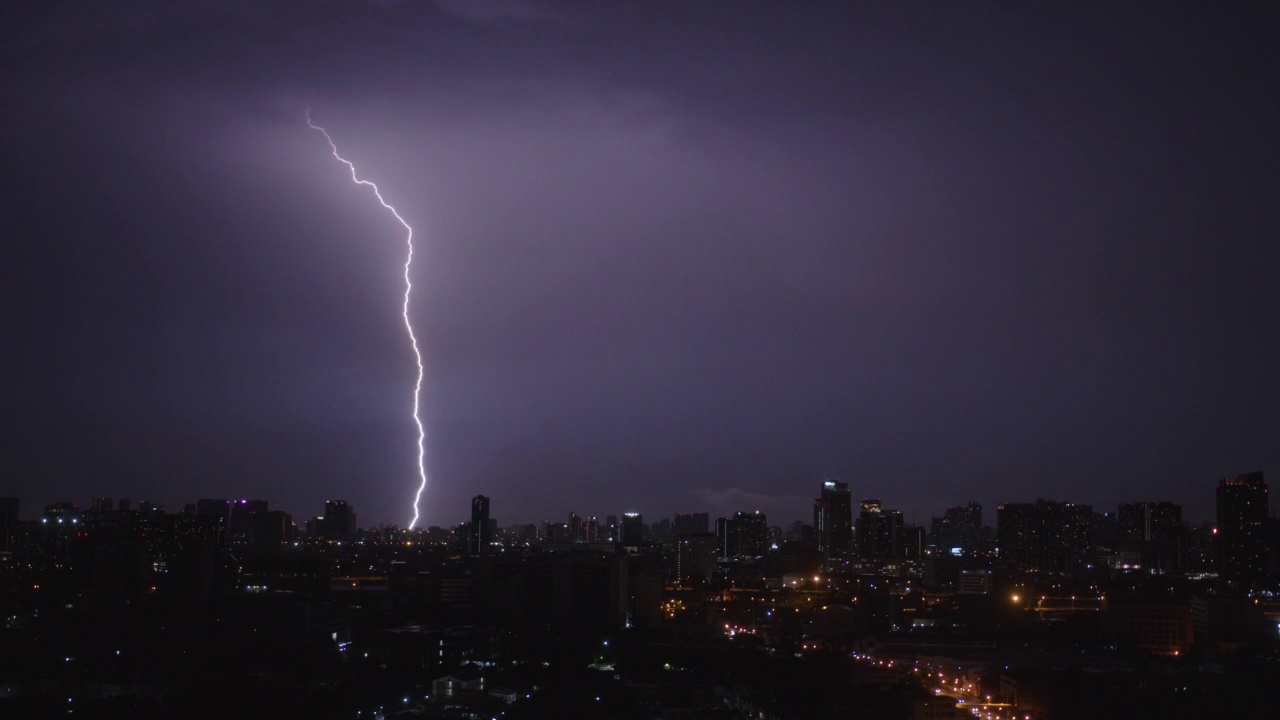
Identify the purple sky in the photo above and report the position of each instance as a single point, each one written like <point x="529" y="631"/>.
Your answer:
<point x="672" y="256"/>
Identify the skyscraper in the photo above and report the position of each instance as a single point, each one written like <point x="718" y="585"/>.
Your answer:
<point x="696" y="556"/>
<point x="1044" y="536"/>
<point x="9" y="509"/>
<point x="632" y="529"/>
<point x="959" y="528"/>
<point x="725" y="538"/>
<point x="1149" y="521"/>
<point x="241" y="512"/>
<point x="8" y="522"/>
<point x="1151" y="529"/>
<point x="691" y="524"/>
<point x="833" y="518"/>
<point x="479" y="539"/>
<point x="752" y="530"/>
<point x="1242" y="523"/>
<point x="879" y="531"/>
<point x="339" y="519"/>
<point x="214" y="508"/>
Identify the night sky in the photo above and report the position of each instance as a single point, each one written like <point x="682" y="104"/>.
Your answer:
<point x="672" y="256"/>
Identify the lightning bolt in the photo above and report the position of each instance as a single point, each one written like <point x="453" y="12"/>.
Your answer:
<point x="408" y="326"/>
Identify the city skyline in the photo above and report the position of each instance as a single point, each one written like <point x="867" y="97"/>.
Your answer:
<point x="671" y="256"/>
<point x="812" y="515"/>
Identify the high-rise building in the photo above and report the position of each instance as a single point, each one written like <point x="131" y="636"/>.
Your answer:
<point x="479" y="537"/>
<point x="802" y="533"/>
<point x="959" y="529"/>
<point x="691" y="524"/>
<point x="695" y="556"/>
<point x="752" y="531"/>
<point x="911" y="542"/>
<point x="1242" y="525"/>
<point x="239" y="518"/>
<point x="9" y="509"/>
<point x="745" y="535"/>
<point x="1151" y="532"/>
<point x="726" y="539"/>
<point x="8" y="522"/>
<point x="554" y="533"/>
<point x="1044" y="536"/>
<point x="269" y="529"/>
<point x="632" y="529"/>
<point x="339" y="519"/>
<point x="662" y="528"/>
<point x="102" y="504"/>
<point x="1017" y="535"/>
<point x="1149" y="521"/>
<point x="879" y="532"/>
<point x="214" y="508"/>
<point x="833" y="518"/>
<point x="63" y="513"/>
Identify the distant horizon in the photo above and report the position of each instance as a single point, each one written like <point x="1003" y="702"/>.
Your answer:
<point x="27" y="507"/>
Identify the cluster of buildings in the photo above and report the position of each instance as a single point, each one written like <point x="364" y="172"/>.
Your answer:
<point x="1046" y="537"/>
<point x="1058" y="576"/>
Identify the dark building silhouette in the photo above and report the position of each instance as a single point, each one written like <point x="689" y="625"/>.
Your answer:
<point x="745" y="535"/>
<point x="912" y="542"/>
<point x="752" y="530"/>
<point x="63" y="513"/>
<point x="960" y="528"/>
<point x="632" y="529"/>
<point x="1242" y="526"/>
<point x="339" y="520"/>
<point x="833" y="518"/>
<point x="479" y="537"/>
<point x="214" y="508"/>
<point x="239" y="520"/>
<point x="691" y="524"/>
<point x="575" y="590"/>
<point x="271" y="528"/>
<point x="695" y="556"/>
<point x="1152" y="531"/>
<point x="8" y="522"/>
<point x="724" y="538"/>
<point x="554" y="533"/>
<point x="879" y="531"/>
<point x="1045" y="536"/>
